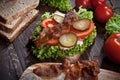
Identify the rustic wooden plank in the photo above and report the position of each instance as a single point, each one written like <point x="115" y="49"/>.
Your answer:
<point x="27" y="33"/>
<point x="4" y="68"/>
<point x="20" y="51"/>
<point x="7" y="70"/>
<point x="3" y="44"/>
<point x="15" y="61"/>
<point x="99" y="42"/>
<point x="115" y="5"/>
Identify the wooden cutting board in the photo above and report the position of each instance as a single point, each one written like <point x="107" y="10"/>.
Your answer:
<point x="108" y="75"/>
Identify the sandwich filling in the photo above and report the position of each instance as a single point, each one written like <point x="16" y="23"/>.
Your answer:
<point x="59" y="35"/>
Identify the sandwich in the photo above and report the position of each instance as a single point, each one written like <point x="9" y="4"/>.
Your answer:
<point x="60" y="35"/>
<point x="81" y="70"/>
<point x="15" y="16"/>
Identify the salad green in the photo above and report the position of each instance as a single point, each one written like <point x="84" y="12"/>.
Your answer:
<point x="53" y="52"/>
<point x="62" y="5"/>
<point x="113" y="25"/>
<point x="83" y="13"/>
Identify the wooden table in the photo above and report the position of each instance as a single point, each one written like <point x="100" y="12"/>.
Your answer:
<point x="15" y="57"/>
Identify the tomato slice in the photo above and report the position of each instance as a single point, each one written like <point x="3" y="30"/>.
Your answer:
<point x="48" y="23"/>
<point x="53" y="41"/>
<point x="83" y="34"/>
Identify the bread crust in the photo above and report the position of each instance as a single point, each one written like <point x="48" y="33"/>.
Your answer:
<point x="27" y="20"/>
<point x="17" y="13"/>
<point x="11" y="26"/>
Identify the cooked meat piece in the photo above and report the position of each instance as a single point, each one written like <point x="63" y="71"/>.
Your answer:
<point x="70" y="17"/>
<point x="81" y="70"/>
<point x="48" y="71"/>
<point x="74" y="72"/>
<point x="43" y="37"/>
<point x="90" y="67"/>
<point x="84" y="70"/>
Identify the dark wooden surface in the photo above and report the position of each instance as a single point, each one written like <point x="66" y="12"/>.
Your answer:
<point x="15" y="57"/>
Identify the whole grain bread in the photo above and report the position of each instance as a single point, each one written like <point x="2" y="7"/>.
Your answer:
<point x="12" y="35"/>
<point x="11" y="9"/>
<point x="11" y="26"/>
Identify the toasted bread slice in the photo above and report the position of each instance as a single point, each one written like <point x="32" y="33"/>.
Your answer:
<point x="11" y="26"/>
<point x="11" y="9"/>
<point x="12" y="35"/>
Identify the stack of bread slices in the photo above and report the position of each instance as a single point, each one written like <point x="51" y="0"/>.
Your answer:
<point x="15" y="16"/>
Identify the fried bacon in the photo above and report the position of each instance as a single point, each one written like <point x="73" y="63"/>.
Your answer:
<point x="48" y="71"/>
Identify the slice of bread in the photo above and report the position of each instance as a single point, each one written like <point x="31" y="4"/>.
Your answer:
<point x="11" y="9"/>
<point x="11" y="26"/>
<point x="12" y="35"/>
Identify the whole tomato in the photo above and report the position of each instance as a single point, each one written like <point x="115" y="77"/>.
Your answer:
<point x="96" y="3"/>
<point x="112" y="48"/>
<point x="83" y="3"/>
<point x="102" y="13"/>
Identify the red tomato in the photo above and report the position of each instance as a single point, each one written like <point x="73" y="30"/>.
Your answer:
<point x="112" y="47"/>
<point x="83" y="3"/>
<point x="103" y="13"/>
<point x="96" y="3"/>
<point x="83" y="34"/>
<point x="48" y="23"/>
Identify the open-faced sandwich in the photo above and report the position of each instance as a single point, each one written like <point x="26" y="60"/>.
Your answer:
<point x="58" y="35"/>
<point x="81" y="70"/>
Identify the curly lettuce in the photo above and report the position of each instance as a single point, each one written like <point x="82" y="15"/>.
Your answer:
<point x="53" y="52"/>
<point x="113" y="25"/>
<point x="62" y="5"/>
<point x="83" y="13"/>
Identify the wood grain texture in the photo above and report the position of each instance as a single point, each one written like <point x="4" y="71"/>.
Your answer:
<point x="15" y="57"/>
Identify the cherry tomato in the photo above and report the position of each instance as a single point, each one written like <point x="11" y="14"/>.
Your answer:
<point x="102" y="13"/>
<point x="48" y="23"/>
<point x="83" y="34"/>
<point x="112" y="47"/>
<point x="83" y="3"/>
<point x="96" y="3"/>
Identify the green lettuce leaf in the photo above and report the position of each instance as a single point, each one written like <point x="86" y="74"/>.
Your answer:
<point x="62" y="5"/>
<point x="83" y="13"/>
<point x="113" y="25"/>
